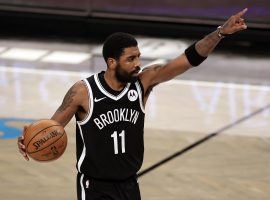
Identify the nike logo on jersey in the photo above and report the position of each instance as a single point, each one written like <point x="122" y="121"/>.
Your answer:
<point x="97" y="100"/>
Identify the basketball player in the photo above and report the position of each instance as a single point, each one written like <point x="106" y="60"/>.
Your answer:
<point x="109" y="111"/>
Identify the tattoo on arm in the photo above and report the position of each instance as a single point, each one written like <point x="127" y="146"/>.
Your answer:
<point x="68" y="99"/>
<point x="206" y="45"/>
<point x="154" y="68"/>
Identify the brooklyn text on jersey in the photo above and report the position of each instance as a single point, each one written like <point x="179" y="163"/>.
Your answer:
<point x="117" y="115"/>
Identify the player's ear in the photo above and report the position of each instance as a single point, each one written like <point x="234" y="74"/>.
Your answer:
<point x="111" y="63"/>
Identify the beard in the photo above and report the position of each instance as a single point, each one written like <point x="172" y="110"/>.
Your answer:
<point x="124" y="76"/>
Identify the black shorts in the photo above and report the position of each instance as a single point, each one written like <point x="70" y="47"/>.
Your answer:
<point x="93" y="189"/>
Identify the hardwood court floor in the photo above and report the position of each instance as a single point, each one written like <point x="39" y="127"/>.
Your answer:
<point x="233" y="165"/>
<point x="227" y="167"/>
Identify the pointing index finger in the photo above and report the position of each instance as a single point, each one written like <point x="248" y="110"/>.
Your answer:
<point x="242" y="13"/>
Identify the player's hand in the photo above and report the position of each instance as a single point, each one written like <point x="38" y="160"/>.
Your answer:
<point x="235" y="23"/>
<point x="21" y="146"/>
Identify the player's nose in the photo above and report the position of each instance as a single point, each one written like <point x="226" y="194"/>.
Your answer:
<point x="137" y="63"/>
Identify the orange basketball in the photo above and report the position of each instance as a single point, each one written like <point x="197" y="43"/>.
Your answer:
<point x="45" y="140"/>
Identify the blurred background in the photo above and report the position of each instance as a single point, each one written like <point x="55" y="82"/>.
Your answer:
<point x="211" y="123"/>
<point x="166" y="18"/>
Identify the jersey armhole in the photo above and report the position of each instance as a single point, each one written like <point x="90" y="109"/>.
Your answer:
<point x="140" y="91"/>
<point x="90" y="103"/>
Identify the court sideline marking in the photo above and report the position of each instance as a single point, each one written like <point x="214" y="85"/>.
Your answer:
<point x="202" y="140"/>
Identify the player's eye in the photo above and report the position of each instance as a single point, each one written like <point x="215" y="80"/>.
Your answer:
<point x="131" y="58"/>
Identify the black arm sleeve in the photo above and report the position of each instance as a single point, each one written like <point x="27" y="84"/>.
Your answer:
<point x="193" y="56"/>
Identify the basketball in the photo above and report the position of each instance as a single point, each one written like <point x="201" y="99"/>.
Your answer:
<point x="45" y="140"/>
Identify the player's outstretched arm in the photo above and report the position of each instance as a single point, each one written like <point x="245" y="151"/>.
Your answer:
<point x="194" y="55"/>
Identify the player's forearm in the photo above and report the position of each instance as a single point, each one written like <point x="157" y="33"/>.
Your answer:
<point x="61" y="119"/>
<point x="206" y="45"/>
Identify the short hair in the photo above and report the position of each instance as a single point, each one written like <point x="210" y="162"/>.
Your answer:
<point x="115" y="44"/>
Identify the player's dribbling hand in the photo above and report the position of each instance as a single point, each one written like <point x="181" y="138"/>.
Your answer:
<point x="235" y="23"/>
<point x="21" y="146"/>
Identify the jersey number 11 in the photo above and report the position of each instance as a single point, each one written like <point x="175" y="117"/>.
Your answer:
<point x="115" y="141"/>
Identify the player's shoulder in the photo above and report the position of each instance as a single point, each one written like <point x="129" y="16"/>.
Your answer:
<point x="79" y="85"/>
<point x="79" y="88"/>
<point x="149" y="71"/>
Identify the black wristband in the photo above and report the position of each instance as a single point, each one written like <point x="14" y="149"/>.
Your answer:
<point x="194" y="58"/>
